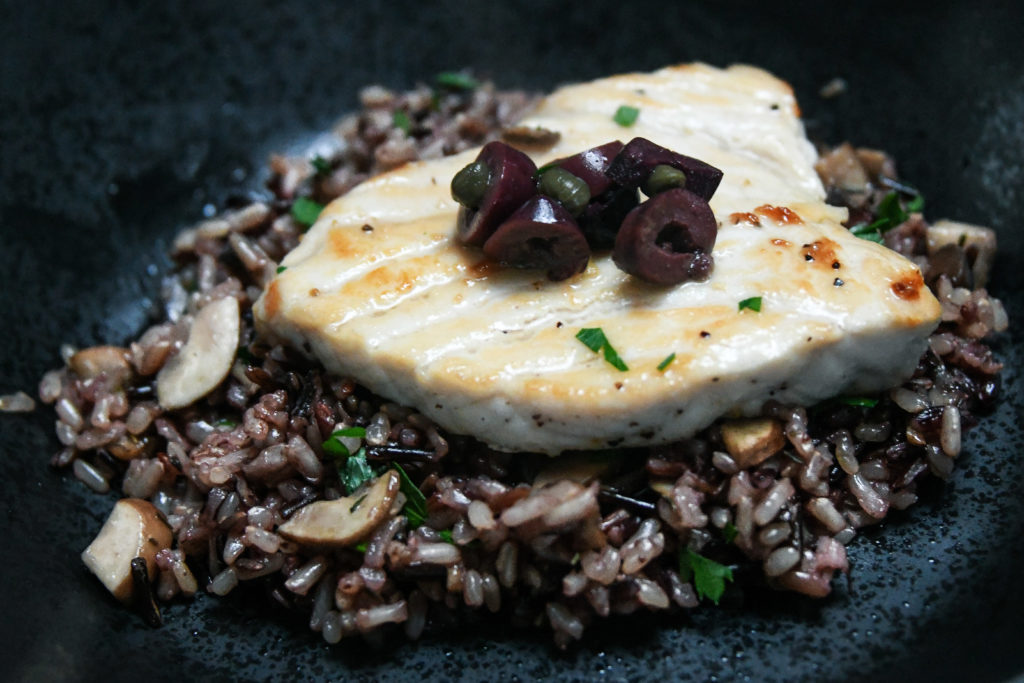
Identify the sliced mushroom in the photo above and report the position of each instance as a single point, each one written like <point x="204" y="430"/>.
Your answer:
<point x="206" y="358"/>
<point x="978" y="243"/>
<point x="133" y="529"/>
<point x="345" y="521"/>
<point x="752" y="441"/>
<point x="581" y="468"/>
<point x="110" y="360"/>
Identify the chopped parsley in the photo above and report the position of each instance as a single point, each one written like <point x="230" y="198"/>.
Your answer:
<point x="333" y="444"/>
<point x="454" y="80"/>
<point x="446" y="536"/>
<point x="281" y="269"/>
<point x="306" y="211"/>
<point x="668" y="361"/>
<point x="626" y="116"/>
<point x="361" y="546"/>
<point x="355" y="471"/>
<point x="866" y="232"/>
<point x="859" y="401"/>
<point x="729" y="532"/>
<point x="226" y="422"/>
<point x="890" y="213"/>
<point x="321" y="165"/>
<point x="593" y="338"/>
<point x="401" y="121"/>
<point x="708" y="576"/>
<point x="415" y="508"/>
<point x="753" y="303"/>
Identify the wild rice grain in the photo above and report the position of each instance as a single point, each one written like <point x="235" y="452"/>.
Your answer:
<point x="330" y="627"/>
<point x="90" y="476"/>
<point x="50" y="386"/>
<point x="650" y="593"/>
<point x="375" y="579"/>
<point x="774" y="534"/>
<point x="455" y="578"/>
<point x="773" y="502"/>
<point x="908" y="400"/>
<point x="224" y="582"/>
<point x="601" y="565"/>
<point x="724" y="462"/>
<point x="306" y="576"/>
<point x="508" y="556"/>
<point x="436" y="553"/>
<point x="825" y="512"/>
<point x="950" y="435"/>
<point x="638" y="552"/>
<point x="599" y="598"/>
<point x="69" y="414"/>
<point x="564" y="621"/>
<point x="573" y="584"/>
<point x="867" y="496"/>
<point x="65" y="433"/>
<point x="492" y="592"/>
<point x="371" y="618"/>
<point x="781" y="561"/>
<point x="142" y="478"/>
<point x="480" y="515"/>
<point x="941" y="464"/>
<point x="417" y="619"/>
<point x="473" y="588"/>
<point x="846" y="454"/>
<point x="18" y="402"/>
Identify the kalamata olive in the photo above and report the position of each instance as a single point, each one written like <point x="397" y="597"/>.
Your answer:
<point x="640" y="156"/>
<point x="540" y="234"/>
<point x="601" y="220"/>
<point x="510" y="183"/>
<point x="590" y="165"/>
<point x="570" y="191"/>
<point x="663" y="177"/>
<point x="668" y="239"/>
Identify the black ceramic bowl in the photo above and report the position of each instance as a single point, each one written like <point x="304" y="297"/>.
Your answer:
<point x="121" y="121"/>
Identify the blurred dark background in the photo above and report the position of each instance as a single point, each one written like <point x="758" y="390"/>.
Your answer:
<point x="120" y="122"/>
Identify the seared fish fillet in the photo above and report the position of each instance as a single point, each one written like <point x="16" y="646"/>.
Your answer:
<point x="380" y="291"/>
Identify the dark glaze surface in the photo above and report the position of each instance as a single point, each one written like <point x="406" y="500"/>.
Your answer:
<point x="120" y="122"/>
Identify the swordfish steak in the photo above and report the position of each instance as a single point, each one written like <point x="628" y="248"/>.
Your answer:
<point x="380" y="290"/>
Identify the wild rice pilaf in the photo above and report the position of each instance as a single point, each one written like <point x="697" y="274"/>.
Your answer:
<point x="559" y="542"/>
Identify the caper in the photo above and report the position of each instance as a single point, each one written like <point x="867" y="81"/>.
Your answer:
<point x="470" y="184"/>
<point x="570" y="191"/>
<point x="663" y="177"/>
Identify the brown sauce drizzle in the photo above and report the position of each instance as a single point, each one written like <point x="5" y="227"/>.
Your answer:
<point x="821" y="252"/>
<point x="909" y="287"/>
<point x="780" y="214"/>
<point x="740" y="217"/>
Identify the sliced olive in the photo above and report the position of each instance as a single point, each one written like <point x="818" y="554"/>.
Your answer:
<point x="541" y="234"/>
<point x="668" y="239"/>
<point x="470" y="184"/>
<point x="509" y="184"/>
<point x="663" y="177"/>
<point x="601" y="220"/>
<point x="590" y="165"/>
<point x="640" y="156"/>
<point x="570" y="191"/>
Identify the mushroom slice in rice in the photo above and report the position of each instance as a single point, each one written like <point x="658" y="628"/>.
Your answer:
<point x="206" y="358"/>
<point x="345" y="521"/>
